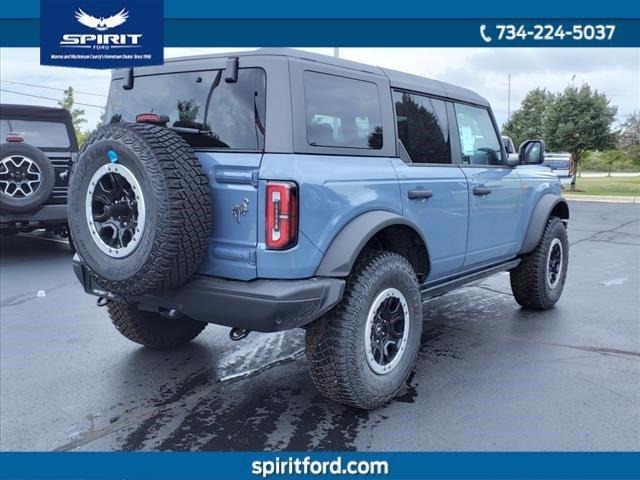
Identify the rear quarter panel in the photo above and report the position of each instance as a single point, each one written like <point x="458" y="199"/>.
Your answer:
<point x="334" y="189"/>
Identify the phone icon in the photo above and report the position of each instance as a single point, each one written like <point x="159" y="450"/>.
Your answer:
<point x="484" y="36"/>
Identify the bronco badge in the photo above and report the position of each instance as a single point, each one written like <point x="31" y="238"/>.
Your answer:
<point x="240" y="210"/>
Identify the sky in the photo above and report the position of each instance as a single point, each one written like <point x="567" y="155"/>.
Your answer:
<point x="614" y="71"/>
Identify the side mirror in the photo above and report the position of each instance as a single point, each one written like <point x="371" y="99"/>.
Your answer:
<point x="531" y="152"/>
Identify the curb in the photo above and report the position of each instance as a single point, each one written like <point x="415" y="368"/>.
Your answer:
<point x="602" y="198"/>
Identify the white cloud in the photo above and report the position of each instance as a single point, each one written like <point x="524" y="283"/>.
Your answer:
<point x="615" y="72"/>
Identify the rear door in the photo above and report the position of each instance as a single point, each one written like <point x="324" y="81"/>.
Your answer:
<point x="225" y="123"/>
<point x="433" y="189"/>
<point x="494" y="188"/>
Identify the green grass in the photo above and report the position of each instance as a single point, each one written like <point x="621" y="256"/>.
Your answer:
<point x="616" y="186"/>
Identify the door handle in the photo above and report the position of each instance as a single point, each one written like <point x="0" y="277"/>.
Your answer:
<point x="481" y="191"/>
<point x="421" y="193"/>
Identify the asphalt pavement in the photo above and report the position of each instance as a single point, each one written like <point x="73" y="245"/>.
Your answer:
<point x="489" y="376"/>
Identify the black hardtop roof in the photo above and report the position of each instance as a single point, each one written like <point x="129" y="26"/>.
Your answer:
<point x="397" y="79"/>
<point x="35" y="112"/>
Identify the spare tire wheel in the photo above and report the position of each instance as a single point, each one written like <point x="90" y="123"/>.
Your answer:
<point x="27" y="178"/>
<point x="139" y="208"/>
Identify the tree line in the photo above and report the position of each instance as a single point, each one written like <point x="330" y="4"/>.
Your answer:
<point x="581" y="121"/>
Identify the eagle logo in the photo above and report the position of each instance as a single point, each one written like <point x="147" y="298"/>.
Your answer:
<point x="101" y="24"/>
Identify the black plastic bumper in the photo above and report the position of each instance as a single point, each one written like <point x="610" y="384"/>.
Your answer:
<point x="47" y="214"/>
<point x="262" y="305"/>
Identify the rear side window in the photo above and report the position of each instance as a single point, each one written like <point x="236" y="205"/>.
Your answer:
<point x="219" y="114"/>
<point x="39" y="134"/>
<point x="342" y="112"/>
<point x="423" y="127"/>
<point x="478" y="138"/>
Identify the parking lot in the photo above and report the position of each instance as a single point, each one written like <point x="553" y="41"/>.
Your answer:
<point x="489" y="376"/>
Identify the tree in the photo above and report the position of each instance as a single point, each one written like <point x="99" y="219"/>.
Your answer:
<point x="527" y="122"/>
<point x="629" y="140"/>
<point x="77" y="114"/>
<point x="579" y="120"/>
<point x="612" y="159"/>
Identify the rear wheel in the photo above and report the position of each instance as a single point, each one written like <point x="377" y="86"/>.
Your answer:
<point x="538" y="281"/>
<point x="152" y="329"/>
<point x="361" y="353"/>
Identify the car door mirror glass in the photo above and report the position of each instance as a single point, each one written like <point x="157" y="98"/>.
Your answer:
<point x="532" y="152"/>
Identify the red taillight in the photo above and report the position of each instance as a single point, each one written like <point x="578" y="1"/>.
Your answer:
<point x="15" y="139"/>
<point x="281" y="215"/>
<point x="152" y="118"/>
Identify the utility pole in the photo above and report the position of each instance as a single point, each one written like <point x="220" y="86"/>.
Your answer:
<point x="336" y="52"/>
<point x="509" y="99"/>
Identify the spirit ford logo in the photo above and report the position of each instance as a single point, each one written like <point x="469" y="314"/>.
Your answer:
<point x="101" y="39"/>
<point x="101" y="34"/>
<point x="101" y="24"/>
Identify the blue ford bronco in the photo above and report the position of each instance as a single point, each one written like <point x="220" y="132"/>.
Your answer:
<point x="276" y="189"/>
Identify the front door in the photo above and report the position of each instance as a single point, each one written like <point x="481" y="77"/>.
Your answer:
<point x="494" y="191"/>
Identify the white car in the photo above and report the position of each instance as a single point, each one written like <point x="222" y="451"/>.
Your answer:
<point x="562" y="166"/>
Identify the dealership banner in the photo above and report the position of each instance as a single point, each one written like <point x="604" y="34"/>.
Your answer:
<point x="351" y="24"/>
<point x="235" y="465"/>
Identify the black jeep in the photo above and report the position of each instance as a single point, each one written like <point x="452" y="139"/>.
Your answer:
<point x="38" y="146"/>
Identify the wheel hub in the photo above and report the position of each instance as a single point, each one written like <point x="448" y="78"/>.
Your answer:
<point x="115" y="210"/>
<point x="386" y="331"/>
<point x="19" y="176"/>
<point x="554" y="263"/>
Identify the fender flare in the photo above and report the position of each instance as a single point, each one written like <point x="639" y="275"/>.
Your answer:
<point x="341" y="255"/>
<point x="540" y="216"/>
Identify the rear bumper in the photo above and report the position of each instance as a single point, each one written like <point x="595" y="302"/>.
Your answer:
<point x="48" y="214"/>
<point x="565" y="181"/>
<point x="261" y="305"/>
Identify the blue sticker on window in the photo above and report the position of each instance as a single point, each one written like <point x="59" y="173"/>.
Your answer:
<point x="113" y="156"/>
<point x="102" y="33"/>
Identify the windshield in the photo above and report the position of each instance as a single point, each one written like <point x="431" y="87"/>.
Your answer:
<point x="216" y="113"/>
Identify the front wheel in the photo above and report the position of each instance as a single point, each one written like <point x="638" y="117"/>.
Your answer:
<point x="538" y="281"/>
<point x="361" y="353"/>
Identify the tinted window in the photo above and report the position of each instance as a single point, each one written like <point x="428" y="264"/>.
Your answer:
<point x="557" y="164"/>
<point x="226" y="115"/>
<point x="342" y="112"/>
<point x="423" y="127"/>
<point x="40" y="134"/>
<point x="478" y="139"/>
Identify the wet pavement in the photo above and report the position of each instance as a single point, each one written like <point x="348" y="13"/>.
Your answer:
<point x="489" y="376"/>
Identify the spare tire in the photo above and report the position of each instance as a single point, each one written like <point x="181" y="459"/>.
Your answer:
<point x="27" y="178"/>
<point x="139" y="208"/>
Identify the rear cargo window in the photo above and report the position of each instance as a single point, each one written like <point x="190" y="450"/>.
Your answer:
<point x="206" y="110"/>
<point x="39" y="134"/>
<point x="342" y="112"/>
<point x="557" y="163"/>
